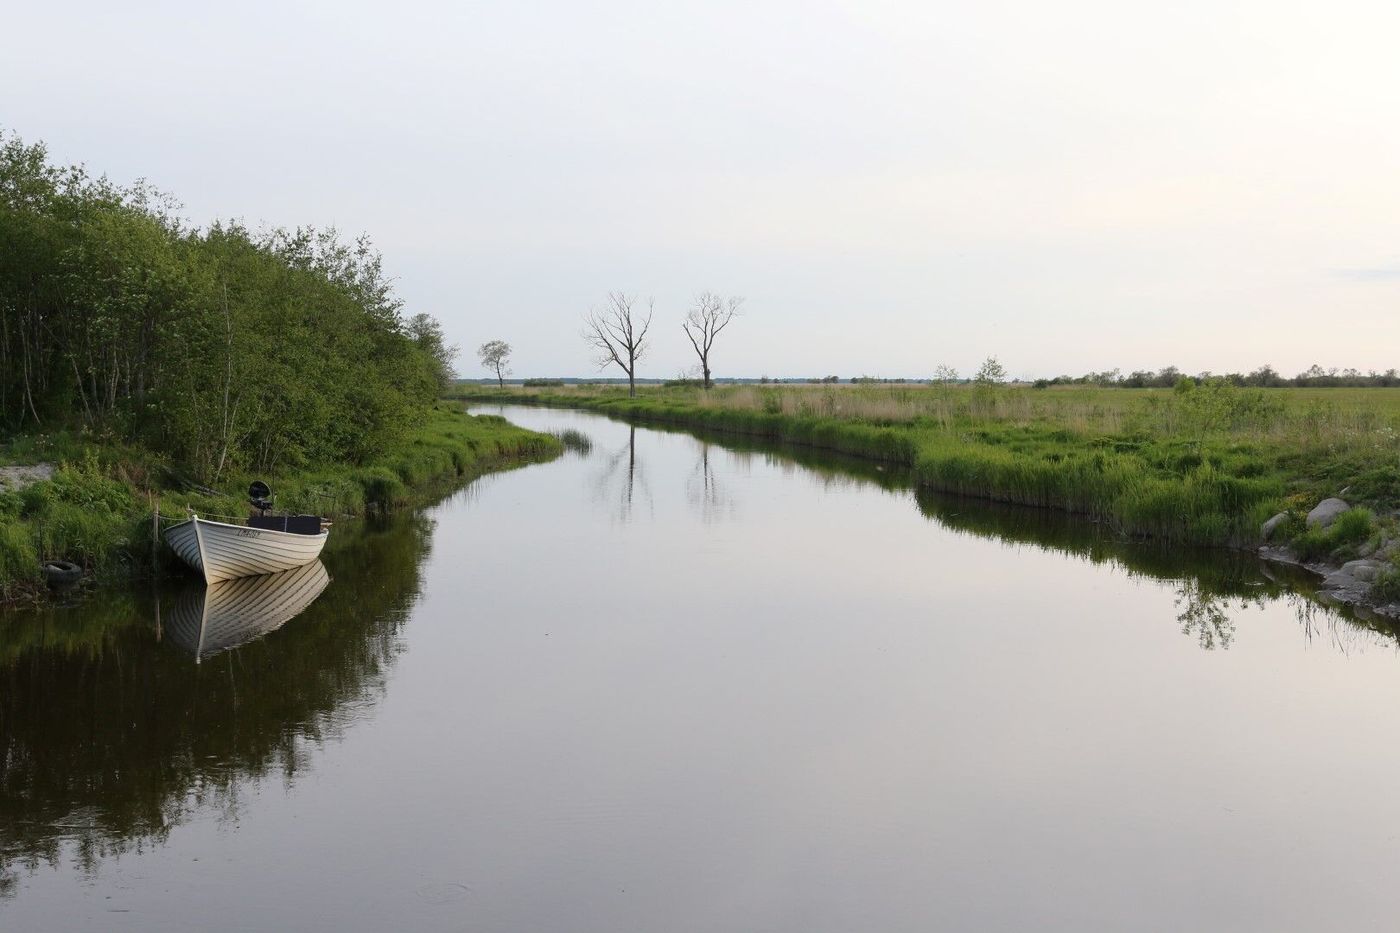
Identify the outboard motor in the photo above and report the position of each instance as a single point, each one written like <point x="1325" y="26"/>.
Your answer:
<point x="259" y="496"/>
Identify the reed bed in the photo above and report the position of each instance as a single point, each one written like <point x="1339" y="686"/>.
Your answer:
<point x="576" y="441"/>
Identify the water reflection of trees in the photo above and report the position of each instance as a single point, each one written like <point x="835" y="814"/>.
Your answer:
<point x="705" y="490"/>
<point x="827" y="469"/>
<point x="109" y="738"/>
<point x="1205" y="615"/>
<point x="621" y="482"/>
<point x="1211" y="584"/>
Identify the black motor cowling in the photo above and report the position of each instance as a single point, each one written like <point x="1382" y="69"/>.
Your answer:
<point x="259" y="495"/>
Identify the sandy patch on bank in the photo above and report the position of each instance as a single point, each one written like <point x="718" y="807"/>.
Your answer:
<point x="14" y="478"/>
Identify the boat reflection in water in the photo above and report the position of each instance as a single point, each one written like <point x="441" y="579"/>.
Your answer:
<point x="223" y="615"/>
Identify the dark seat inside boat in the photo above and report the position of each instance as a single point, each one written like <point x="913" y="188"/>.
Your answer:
<point x="294" y="524"/>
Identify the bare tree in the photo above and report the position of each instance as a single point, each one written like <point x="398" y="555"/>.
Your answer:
<point x="618" y="332"/>
<point x="494" y="354"/>
<point x="707" y="317"/>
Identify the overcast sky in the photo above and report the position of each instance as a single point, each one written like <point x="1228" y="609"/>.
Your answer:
<point x="891" y="185"/>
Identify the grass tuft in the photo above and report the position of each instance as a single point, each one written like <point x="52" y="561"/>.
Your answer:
<point x="573" y="440"/>
<point x="1340" y="539"/>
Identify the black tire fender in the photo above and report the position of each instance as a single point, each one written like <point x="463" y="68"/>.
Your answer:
<point x="62" y="572"/>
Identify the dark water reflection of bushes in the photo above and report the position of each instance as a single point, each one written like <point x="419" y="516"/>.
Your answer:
<point x="110" y="736"/>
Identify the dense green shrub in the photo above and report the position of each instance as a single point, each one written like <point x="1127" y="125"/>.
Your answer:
<point x="86" y="485"/>
<point x="223" y="348"/>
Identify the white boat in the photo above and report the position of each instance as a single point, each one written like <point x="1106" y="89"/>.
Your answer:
<point x="222" y="551"/>
<point x="224" y="615"/>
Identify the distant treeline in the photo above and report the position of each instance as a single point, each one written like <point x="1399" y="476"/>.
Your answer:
<point x="1263" y="377"/>
<point x="555" y="382"/>
<point x="218" y="346"/>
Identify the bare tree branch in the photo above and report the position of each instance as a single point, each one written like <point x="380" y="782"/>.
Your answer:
<point x="618" y="332"/>
<point x="709" y="315"/>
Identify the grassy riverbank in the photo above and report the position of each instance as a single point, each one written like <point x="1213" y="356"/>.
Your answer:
<point x="97" y="508"/>
<point x="1200" y="464"/>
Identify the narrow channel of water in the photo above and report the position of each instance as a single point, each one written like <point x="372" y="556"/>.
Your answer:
<point x="677" y="685"/>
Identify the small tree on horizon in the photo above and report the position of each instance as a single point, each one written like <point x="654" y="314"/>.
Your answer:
<point x="990" y="373"/>
<point x="494" y="354"/>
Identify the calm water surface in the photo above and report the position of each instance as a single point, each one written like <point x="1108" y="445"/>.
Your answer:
<point x="670" y="686"/>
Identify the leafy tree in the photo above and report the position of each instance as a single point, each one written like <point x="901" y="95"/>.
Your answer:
<point x="990" y="373"/>
<point x="493" y="355"/>
<point x="426" y="332"/>
<point x="221" y="348"/>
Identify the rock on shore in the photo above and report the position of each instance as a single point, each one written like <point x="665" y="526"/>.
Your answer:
<point x="1350" y="584"/>
<point x="1266" y="531"/>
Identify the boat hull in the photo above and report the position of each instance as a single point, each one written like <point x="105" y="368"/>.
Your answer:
<point x="219" y="551"/>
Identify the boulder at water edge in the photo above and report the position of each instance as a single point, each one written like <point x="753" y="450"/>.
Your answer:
<point x="1326" y="512"/>
<point x="1266" y="530"/>
<point x="1364" y="570"/>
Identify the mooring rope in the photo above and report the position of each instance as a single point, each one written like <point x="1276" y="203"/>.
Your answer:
<point x="206" y="515"/>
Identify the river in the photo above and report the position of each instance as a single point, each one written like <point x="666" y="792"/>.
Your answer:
<point x="677" y="683"/>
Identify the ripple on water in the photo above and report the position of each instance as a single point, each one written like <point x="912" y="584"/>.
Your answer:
<point x="443" y="892"/>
